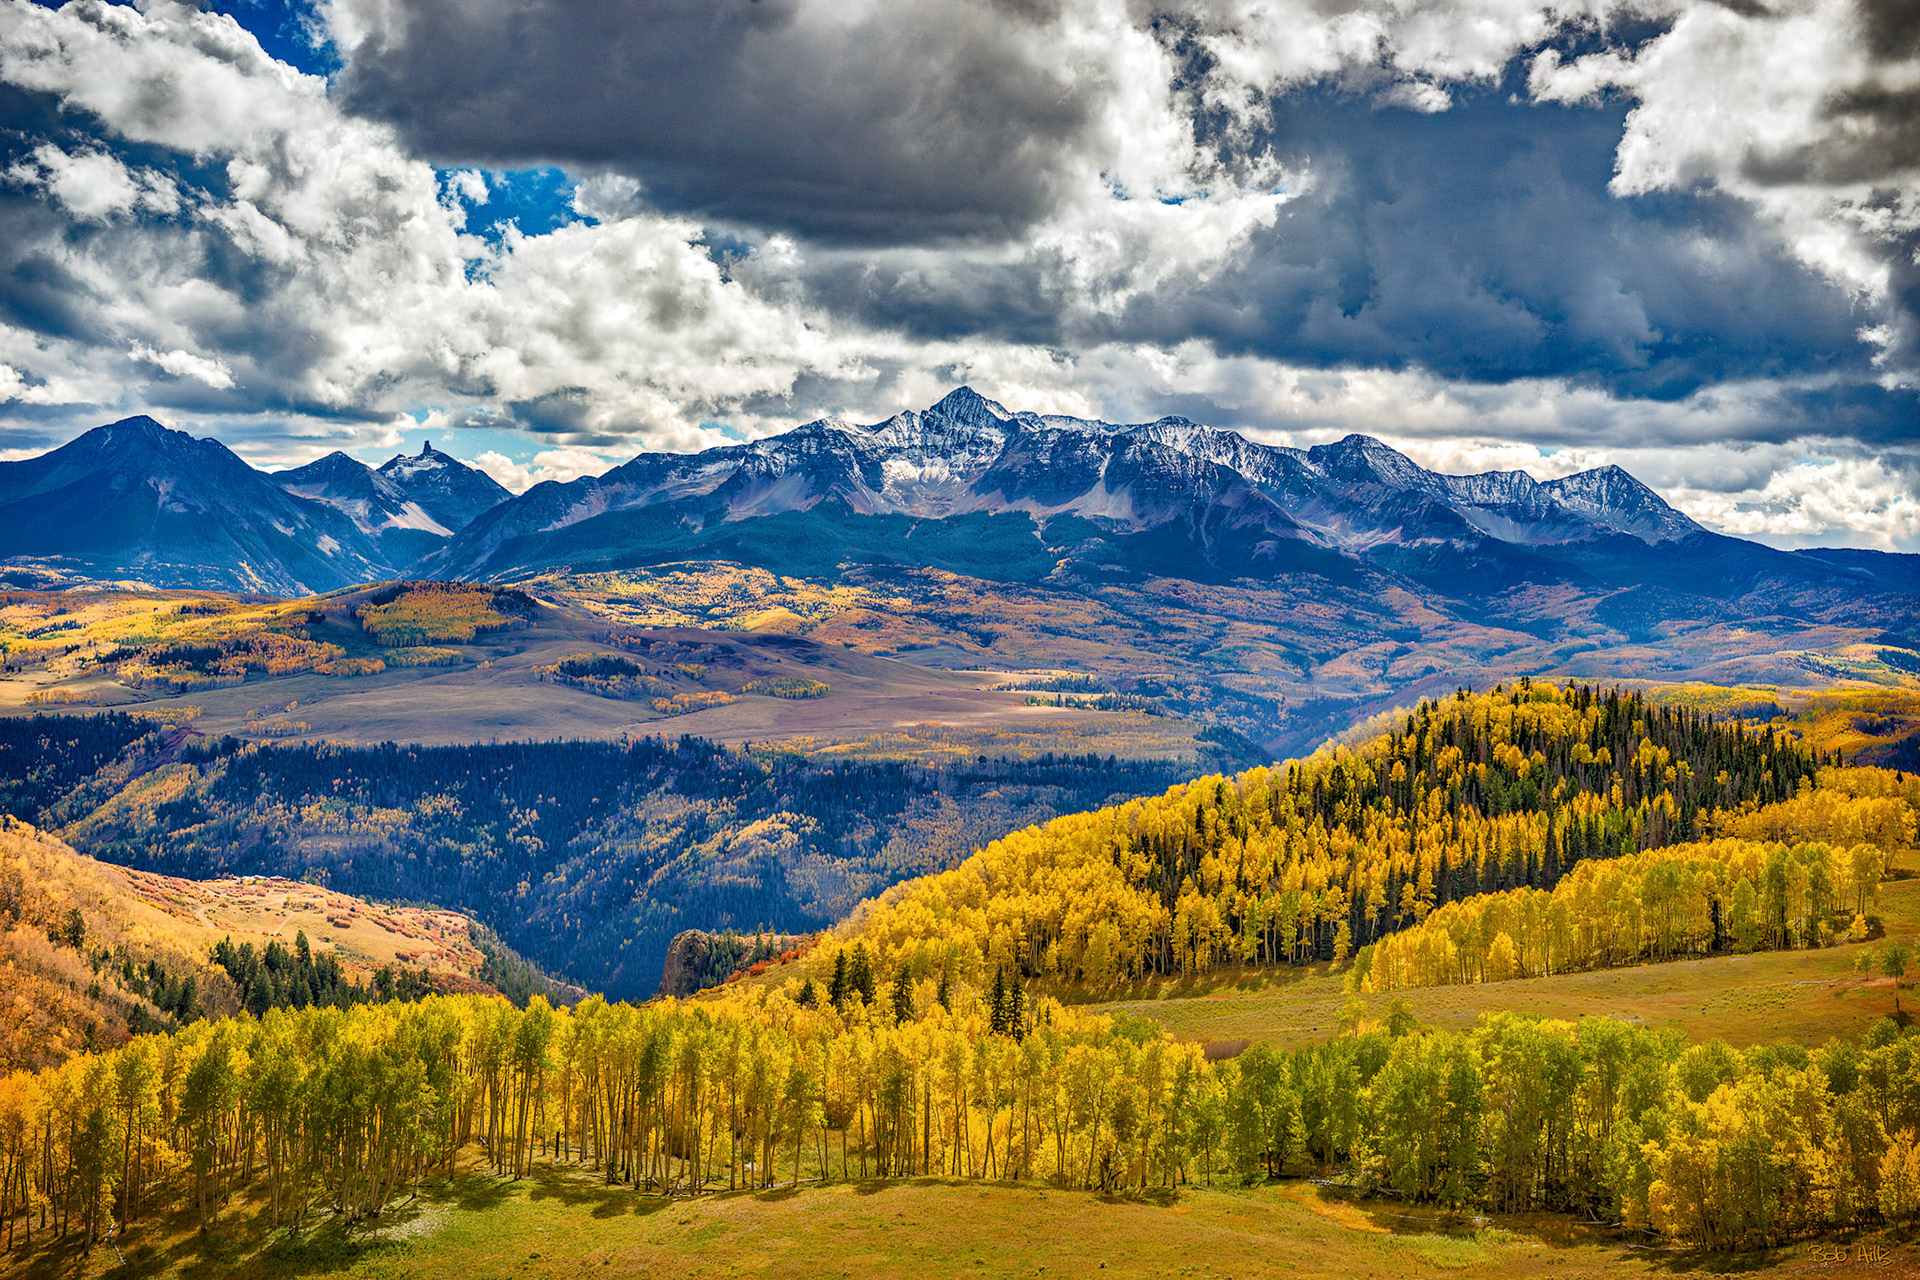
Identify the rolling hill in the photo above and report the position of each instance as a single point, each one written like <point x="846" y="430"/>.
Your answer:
<point x="92" y="952"/>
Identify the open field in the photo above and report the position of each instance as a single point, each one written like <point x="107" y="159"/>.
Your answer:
<point x="1285" y="663"/>
<point x="904" y="647"/>
<point x="1808" y="996"/>
<point x="494" y="692"/>
<point x="565" y="1224"/>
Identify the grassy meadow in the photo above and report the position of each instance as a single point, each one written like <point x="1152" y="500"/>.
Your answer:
<point x="1808" y="996"/>
<point x="564" y="1223"/>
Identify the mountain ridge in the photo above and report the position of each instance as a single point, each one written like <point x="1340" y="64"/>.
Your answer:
<point x="968" y="455"/>
<point x="964" y="485"/>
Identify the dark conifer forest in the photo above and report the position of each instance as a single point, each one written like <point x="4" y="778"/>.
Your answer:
<point x="585" y="857"/>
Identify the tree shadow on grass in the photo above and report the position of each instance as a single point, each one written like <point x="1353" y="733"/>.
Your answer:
<point x="776" y="1195"/>
<point x="327" y="1249"/>
<point x="588" y="1188"/>
<point x="1565" y="1231"/>
<point x="471" y="1192"/>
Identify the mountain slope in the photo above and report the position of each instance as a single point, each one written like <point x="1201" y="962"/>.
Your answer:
<point x="379" y="508"/>
<point x="447" y="489"/>
<point x="410" y="506"/>
<point x="135" y="500"/>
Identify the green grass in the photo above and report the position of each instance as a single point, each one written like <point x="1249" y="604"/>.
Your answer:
<point x="564" y="1223"/>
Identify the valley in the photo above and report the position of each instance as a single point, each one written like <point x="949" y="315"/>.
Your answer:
<point x="791" y="638"/>
<point x="489" y="686"/>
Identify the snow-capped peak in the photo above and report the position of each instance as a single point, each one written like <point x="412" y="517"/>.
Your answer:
<point x="404" y="466"/>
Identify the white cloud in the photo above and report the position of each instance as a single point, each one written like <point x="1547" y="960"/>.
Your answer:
<point x="469" y="184"/>
<point x="548" y="464"/>
<point x="359" y="294"/>
<point x="94" y="186"/>
<point x="184" y="364"/>
<point x="1816" y="502"/>
<point x="1751" y="101"/>
<point x="376" y="301"/>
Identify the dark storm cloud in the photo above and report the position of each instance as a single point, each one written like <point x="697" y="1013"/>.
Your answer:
<point x="924" y="120"/>
<point x="1892" y="27"/>
<point x="1479" y="243"/>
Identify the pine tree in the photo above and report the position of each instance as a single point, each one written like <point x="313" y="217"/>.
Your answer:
<point x="860" y="973"/>
<point x="902" y="995"/>
<point x="943" y="994"/>
<point x="997" y="1003"/>
<point x="837" y="989"/>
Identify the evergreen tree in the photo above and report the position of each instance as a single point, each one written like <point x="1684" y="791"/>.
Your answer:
<point x="837" y="988"/>
<point x="902" y="995"/>
<point x="860" y="974"/>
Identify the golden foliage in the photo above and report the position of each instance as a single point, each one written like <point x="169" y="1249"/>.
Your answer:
<point x="424" y="656"/>
<point x="441" y="612"/>
<point x="352" y="667"/>
<point x="1332" y="853"/>
<point x="788" y="687"/>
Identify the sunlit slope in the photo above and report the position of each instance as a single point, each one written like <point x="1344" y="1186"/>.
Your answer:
<point x="91" y="952"/>
<point x="1469" y="795"/>
<point x="565" y="1222"/>
<point x="1808" y="996"/>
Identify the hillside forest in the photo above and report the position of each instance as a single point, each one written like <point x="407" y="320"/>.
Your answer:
<point x="585" y="857"/>
<point x="1531" y="829"/>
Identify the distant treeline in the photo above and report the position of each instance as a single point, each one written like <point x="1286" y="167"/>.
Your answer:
<point x="282" y="977"/>
<point x="586" y="857"/>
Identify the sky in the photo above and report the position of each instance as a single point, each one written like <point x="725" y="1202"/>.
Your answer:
<point x="1678" y="235"/>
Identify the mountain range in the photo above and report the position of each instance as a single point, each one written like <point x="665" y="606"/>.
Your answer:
<point x="965" y="485"/>
<point x="136" y="501"/>
<point x="1170" y="496"/>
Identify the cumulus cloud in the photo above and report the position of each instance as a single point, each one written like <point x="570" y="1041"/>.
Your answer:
<point x="184" y="364"/>
<point x="94" y="186"/>
<point x="1809" y="110"/>
<point x="1817" y="502"/>
<point x="315" y="266"/>
<point x="865" y="122"/>
<point x="548" y="464"/>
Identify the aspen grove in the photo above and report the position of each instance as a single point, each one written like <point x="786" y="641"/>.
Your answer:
<point x="339" y="1112"/>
